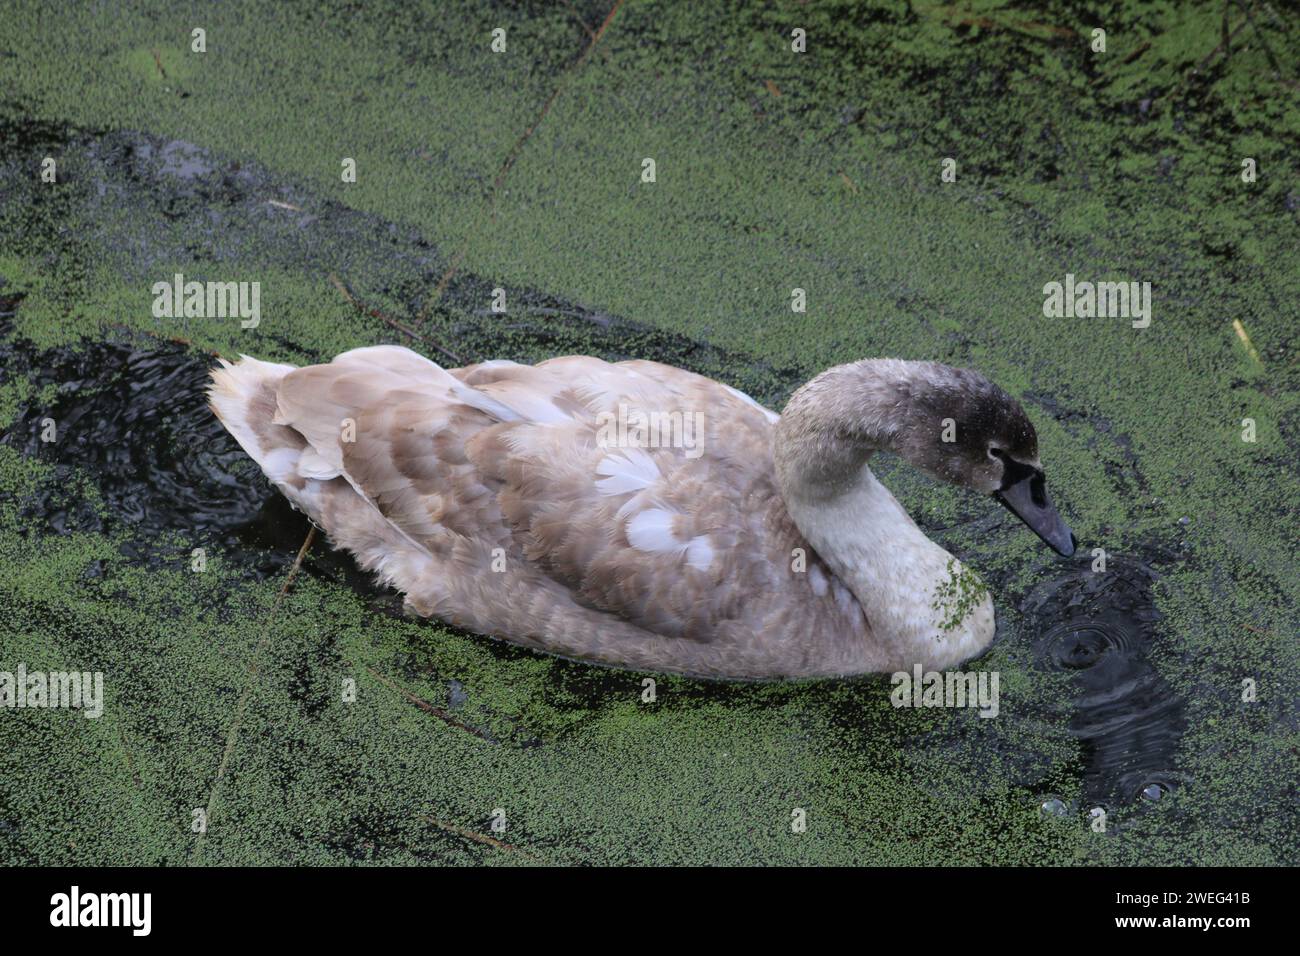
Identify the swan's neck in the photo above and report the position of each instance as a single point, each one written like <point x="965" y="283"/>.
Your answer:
<point x="912" y="591"/>
<point x="921" y="605"/>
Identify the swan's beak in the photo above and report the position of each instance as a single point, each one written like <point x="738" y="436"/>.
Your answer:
<point x="1027" y="499"/>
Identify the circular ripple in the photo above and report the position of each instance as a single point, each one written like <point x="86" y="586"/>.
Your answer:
<point x="1078" y="646"/>
<point x="1098" y="628"/>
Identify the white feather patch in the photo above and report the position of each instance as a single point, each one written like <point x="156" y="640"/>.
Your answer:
<point x="484" y="403"/>
<point x="280" y="464"/>
<point x="699" y="553"/>
<point x="772" y="416"/>
<point x="534" y="406"/>
<point x="652" y="530"/>
<point x="312" y="465"/>
<point x="629" y="470"/>
<point x="233" y="385"/>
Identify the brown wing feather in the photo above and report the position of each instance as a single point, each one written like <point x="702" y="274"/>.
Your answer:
<point x="550" y="477"/>
<point x="604" y="546"/>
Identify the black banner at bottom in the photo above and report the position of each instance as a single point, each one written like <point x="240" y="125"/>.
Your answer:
<point x="333" y="906"/>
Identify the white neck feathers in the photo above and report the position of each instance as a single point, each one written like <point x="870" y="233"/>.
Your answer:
<point x="921" y="605"/>
<point x="910" y="589"/>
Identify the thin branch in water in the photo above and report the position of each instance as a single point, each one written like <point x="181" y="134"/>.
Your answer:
<point x="376" y="314"/>
<point x="480" y="838"/>
<point x="232" y="735"/>
<point x="429" y="708"/>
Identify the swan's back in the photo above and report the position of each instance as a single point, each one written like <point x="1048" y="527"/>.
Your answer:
<point x="520" y="501"/>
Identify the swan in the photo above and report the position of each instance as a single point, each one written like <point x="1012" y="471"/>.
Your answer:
<point x="638" y="515"/>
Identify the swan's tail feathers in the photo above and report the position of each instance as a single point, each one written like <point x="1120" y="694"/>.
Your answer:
<point x="246" y="397"/>
<point x="243" y="396"/>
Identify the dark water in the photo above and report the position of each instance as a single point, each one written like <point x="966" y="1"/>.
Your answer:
<point x="1097" y="628"/>
<point x="133" y="421"/>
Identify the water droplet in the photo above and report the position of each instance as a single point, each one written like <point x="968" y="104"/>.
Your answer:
<point x="1053" y="807"/>
<point x="456" y="695"/>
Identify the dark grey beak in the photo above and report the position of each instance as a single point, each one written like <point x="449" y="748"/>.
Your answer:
<point x="1025" y="496"/>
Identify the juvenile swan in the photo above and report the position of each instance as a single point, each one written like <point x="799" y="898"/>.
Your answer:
<point x="638" y="515"/>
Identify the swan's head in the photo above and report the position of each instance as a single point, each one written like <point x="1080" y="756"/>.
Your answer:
<point x="950" y="422"/>
<point x="961" y="428"/>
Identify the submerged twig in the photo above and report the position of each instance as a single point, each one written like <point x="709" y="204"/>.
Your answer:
<point x="293" y="571"/>
<point x="429" y="708"/>
<point x="513" y="154"/>
<point x="130" y="763"/>
<point x="401" y="327"/>
<point x="1245" y="340"/>
<point x="241" y="707"/>
<point x="1224" y="43"/>
<point x="480" y="838"/>
<point x="1141" y="48"/>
